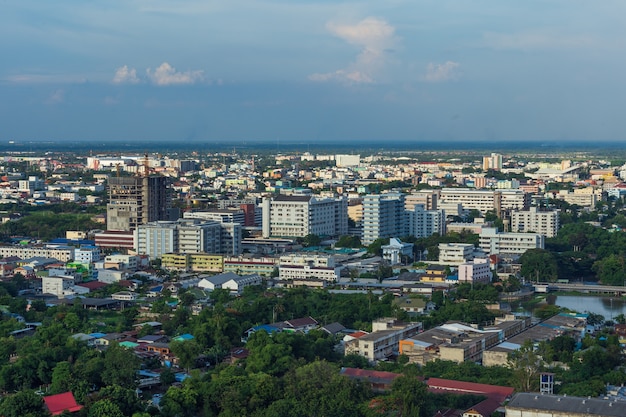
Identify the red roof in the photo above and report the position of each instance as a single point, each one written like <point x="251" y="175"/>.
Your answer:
<point x="367" y="374"/>
<point x="93" y="285"/>
<point x="486" y="407"/>
<point x="59" y="403"/>
<point x="358" y="334"/>
<point x="461" y="387"/>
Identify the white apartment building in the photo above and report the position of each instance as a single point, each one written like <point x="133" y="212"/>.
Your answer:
<point x="486" y="200"/>
<point x="110" y="276"/>
<point x="296" y="266"/>
<point x="130" y="262"/>
<point x="301" y="215"/>
<point x="455" y="253"/>
<point x="429" y="199"/>
<point x="62" y="253"/>
<point x="478" y="271"/>
<point x="188" y="236"/>
<point x="583" y="197"/>
<point x="396" y="251"/>
<point x="222" y="215"/>
<point x="156" y="238"/>
<point x="383" y="217"/>
<point x="424" y="223"/>
<point x="87" y="254"/>
<point x="347" y="160"/>
<point x="494" y="242"/>
<point x="534" y="220"/>
<point x="59" y="286"/>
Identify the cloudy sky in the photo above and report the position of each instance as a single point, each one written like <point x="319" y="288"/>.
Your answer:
<point x="313" y="70"/>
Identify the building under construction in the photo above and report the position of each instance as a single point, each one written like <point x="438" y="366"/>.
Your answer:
<point x="136" y="200"/>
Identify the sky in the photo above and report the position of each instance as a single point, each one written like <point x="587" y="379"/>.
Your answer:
<point x="313" y="70"/>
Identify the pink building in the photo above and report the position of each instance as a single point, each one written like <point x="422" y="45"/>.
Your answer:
<point x="476" y="271"/>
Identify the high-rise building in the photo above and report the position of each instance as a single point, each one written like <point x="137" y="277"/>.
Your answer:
<point x="494" y="161"/>
<point x="383" y="217"/>
<point x="188" y="236"/>
<point x="301" y="215"/>
<point x="424" y="223"/>
<point x="534" y="220"/>
<point x="136" y="200"/>
<point x="485" y="200"/>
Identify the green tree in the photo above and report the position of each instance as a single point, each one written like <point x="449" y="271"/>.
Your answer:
<point x="610" y="270"/>
<point x="539" y="265"/>
<point x="125" y="399"/>
<point x="186" y="351"/>
<point x="62" y="379"/>
<point x="526" y="365"/>
<point x="409" y="395"/>
<point x="311" y="240"/>
<point x="23" y="404"/>
<point x="105" y="408"/>
<point x="120" y="367"/>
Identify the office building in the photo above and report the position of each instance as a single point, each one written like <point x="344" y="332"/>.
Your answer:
<point x="493" y="161"/>
<point x="494" y="242"/>
<point x="486" y="200"/>
<point x="535" y="220"/>
<point x="188" y="236"/>
<point x="424" y="223"/>
<point x="383" y="217"/>
<point x="301" y="215"/>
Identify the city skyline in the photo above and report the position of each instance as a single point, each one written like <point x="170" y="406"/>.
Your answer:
<point x="312" y="71"/>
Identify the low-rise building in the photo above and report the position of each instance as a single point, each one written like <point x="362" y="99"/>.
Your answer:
<point x="494" y="242"/>
<point x="455" y="253"/>
<point x="59" y="286"/>
<point x="527" y="404"/>
<point x="384" y="340"/>
<point x="477" y="271"/>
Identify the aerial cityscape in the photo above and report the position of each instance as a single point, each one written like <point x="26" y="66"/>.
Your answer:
<point x="348" y="208"/>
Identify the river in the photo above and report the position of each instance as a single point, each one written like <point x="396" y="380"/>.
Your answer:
<point x="609" y="307"/>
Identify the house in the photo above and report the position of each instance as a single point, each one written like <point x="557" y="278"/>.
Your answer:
<point x="414" y="306"/>
<point x="435" y="274"/>
<point x="152" y="338"/>
<point x="333" y="328"/>
<point x="379" y="381"/>
<point x="124" y="296"/>
<point x="303" y="325"/>
<point x="162" y="349"/>
<point x="229" y="281"/>
<point x="59" y="403"/>
<point x="484" y="408"/>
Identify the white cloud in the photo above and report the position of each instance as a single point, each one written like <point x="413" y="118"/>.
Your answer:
<point x="125" y="75"/>
<point x="165" y="74"/>
<point x="441" y="72"/>
<point x="375" y="37"/>
<point x="57" y="97"/>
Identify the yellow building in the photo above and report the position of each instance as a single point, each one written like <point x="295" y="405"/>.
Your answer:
<point x="204" y="262"/>
<point x="194" y="262"/>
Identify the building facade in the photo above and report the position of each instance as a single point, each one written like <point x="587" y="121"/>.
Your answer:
<point x="383" y="217"/>
<point x="301" y="215"/>
<point x="534" y="220"/>
<point x="494" y="242"/>
<point x="134" y="201"/>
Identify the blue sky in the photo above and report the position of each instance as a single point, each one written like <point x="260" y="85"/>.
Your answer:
<point x="303" y="70"/>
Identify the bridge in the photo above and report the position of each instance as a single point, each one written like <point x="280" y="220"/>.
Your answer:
<point x="590" y="289"/>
